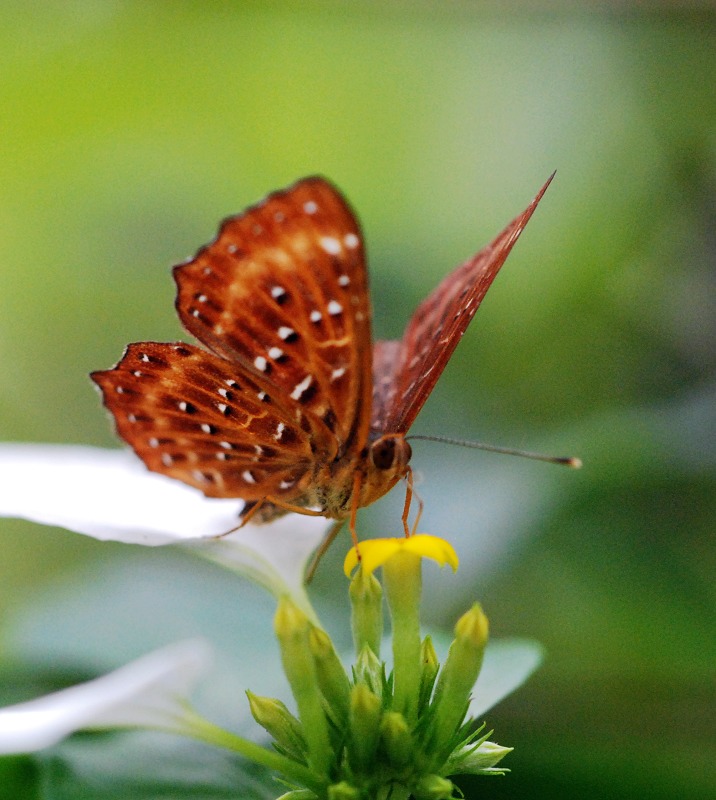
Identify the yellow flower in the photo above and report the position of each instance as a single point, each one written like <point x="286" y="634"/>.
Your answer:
<point x="375" y="552"/>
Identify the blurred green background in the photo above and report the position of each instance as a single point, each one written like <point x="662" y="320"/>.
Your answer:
<point x="128" y="130"/>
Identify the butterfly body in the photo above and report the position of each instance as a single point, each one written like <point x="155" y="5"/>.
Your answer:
<point x="291" y="406"/>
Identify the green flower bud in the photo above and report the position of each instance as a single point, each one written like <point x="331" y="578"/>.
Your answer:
<point x="292" y="630"/>
<point x="434" y="787"/>
<point x="365" y="714"/>
<point x="332" y="678"/>
<point x="343" y="791"/>
<point x="457" y="679"/>
<point x="368" y="670"/>
<point x="479" y="760"/>
<point x="430" y="668"/>
<point x="396" y="738"/>
<point x="366" y="595"/>
<point x="280" y="723"/>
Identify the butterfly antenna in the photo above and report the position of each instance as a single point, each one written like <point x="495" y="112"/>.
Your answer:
<point x="567" y="461"/>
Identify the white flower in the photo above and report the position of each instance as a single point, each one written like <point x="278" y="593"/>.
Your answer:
<point x="110" y="495"/>
<point x="150" y="692"/>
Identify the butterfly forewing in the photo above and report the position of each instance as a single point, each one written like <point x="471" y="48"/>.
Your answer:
<point x="435" y="329"/>
<point x="215" y="425"/>
<point x="283" y="291"/>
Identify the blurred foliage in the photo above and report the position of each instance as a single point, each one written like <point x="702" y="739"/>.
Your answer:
<point x="128" y="130"/>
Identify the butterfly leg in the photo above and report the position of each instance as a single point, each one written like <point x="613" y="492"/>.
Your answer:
<point x="328" y="540"/>
<point x="410" y="493"/>
<point x="251" y="509"/>
<point x="357" y="481"/>
<point x="408" y="499"/>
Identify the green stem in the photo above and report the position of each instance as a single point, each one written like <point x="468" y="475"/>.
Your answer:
<point x="201" y="729"/>
<point x="403" y="587"/>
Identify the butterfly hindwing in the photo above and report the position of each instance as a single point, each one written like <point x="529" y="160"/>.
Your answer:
<point x="194" y="416"/>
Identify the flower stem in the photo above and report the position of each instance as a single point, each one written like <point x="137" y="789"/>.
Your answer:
<point x="403" y="585"/>
<point x="201" y="729"/>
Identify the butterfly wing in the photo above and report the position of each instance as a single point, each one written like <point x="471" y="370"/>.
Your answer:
<point x="408" y="373"/>
<point x="283" y="291"/>
<point x="215" y="425"/>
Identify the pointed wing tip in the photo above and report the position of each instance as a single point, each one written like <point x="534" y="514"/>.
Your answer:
<point x="544" y="188"/>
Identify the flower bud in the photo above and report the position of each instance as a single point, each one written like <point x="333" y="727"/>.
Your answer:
<point x="332" y="677"/>
<point x="369" y="671"/>
<point x="365" y="714"/>
<point x="279" y="722"/>
<point x="366" y="596"/>
<point x="343" y="791"/>
<point x="430" y="667"/>
<point x="396" y="738"/>
<point x="458" y="676"/>
<point x="292" y="630"/>
<point x="434" y="787"/>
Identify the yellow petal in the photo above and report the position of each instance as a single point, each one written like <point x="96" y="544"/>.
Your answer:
<point x="375" y="552"/>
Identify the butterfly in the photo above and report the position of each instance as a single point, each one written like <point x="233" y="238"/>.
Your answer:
<point x="289" y="405"/>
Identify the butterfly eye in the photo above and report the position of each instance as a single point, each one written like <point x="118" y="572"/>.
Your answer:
<point x="389" y="452"/>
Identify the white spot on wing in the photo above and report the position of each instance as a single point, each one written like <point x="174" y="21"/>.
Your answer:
<point x="310" y="207"/>
<point x="260" y="363"/>
<point x="338" y="373"/>
<point x="167" y="460"/>
<point x="280" y="428"/>
<point x="275" y="352"/>
<point x="335" y="308"/>
<point x="206" y="427"/>
<point x="343" y="280"/>
<point x="248" y="477"/>
<point x="330" y="244"/>
<point x="277" y="292"/>
<point x="153" y="442"/>
<point x="285" y="332"/>
<point x="315" y="316"/>
<point x="351" y="240"/>
<point x="301" y="387"/>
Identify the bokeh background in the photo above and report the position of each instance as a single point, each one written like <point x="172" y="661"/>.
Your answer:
<point x="128" y="129"/>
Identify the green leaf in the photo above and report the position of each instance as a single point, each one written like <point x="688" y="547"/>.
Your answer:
<point x="508" y="663"/>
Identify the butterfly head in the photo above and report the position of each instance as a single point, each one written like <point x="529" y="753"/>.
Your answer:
<point x="390" y="453"/>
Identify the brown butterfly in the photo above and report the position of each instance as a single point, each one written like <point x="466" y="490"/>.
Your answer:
<point x="291" y="407"/>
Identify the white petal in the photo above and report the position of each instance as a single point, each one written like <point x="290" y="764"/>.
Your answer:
<point x="273" y="555"/>
<point x="107" y="494"/>
<point x="148" y="692"/>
